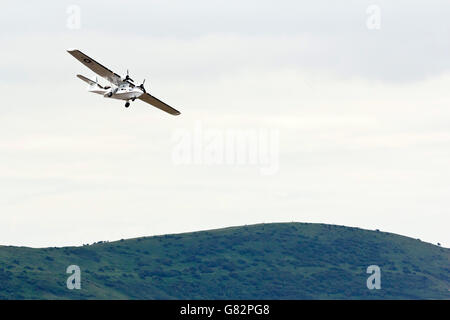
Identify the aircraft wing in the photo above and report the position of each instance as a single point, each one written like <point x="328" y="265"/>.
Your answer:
<point x="99" y="69"/>
<point x="158" y="104"/>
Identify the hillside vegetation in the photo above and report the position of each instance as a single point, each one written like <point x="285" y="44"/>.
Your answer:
<point x="266" y="261"/>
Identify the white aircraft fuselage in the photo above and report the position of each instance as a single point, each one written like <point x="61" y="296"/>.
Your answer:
<point x="123" y="92"/>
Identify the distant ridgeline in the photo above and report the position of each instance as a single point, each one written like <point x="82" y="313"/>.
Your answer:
<point x="265" y="261"/>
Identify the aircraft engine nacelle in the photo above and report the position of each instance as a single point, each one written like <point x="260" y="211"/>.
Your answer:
<point x="109" y="92"/>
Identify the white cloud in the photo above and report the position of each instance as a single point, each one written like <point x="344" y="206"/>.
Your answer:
<point x="356" y="148"/>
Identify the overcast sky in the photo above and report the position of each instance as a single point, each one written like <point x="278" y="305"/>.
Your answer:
<point x="350" y="100"/>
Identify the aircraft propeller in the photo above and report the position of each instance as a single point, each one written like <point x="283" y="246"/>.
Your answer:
<point x="128" y="77"/>
<point x="142" y="86"/>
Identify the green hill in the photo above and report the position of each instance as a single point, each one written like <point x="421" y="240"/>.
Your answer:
<point x="265" y="261"/>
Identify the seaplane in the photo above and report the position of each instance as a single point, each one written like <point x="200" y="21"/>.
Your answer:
<point x="122" y="88"/>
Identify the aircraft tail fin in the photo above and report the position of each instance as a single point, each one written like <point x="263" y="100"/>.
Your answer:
<point x="88" y="81"/>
